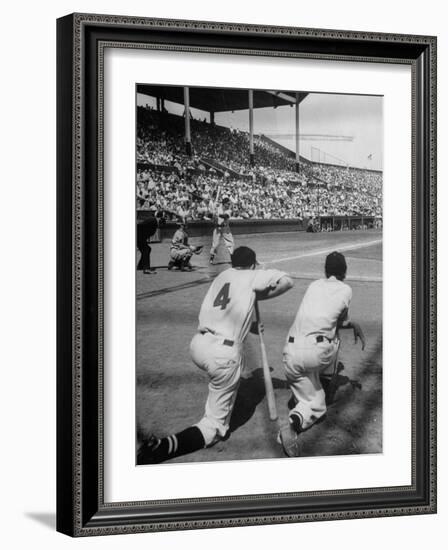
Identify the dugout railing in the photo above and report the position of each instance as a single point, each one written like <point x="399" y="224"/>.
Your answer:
<point x="349" y="223"/>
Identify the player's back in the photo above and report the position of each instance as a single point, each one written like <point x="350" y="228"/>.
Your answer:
<point x="228" y="305"/>
<point x="323" y="303"/>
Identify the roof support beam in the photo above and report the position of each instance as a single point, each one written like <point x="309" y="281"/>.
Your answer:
<point x="187" y="121"/>
<point x="251" y="127"/>
<point x="282" y="95"/>
<point x="297" y="132"/>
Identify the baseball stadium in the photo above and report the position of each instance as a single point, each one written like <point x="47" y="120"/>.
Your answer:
<point x="294" y="193"/>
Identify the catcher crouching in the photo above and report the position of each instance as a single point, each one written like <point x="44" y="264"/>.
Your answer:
<point x="181" y="251"/>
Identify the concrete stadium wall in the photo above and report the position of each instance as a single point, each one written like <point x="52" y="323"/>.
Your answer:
<point x="239" y="227"/>
<point x="250" y="227"/>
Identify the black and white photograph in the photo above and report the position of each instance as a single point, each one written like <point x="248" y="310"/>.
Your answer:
<point x="225" y="334"/>
<point x="259" y="274"/>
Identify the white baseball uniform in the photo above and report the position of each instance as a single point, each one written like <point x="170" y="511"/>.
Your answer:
<point x="222" y="230"/>
<point x="312" y="345"/>
<point x="224" y="320"/>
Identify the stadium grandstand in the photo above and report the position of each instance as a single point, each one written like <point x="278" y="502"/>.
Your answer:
<point x="182" y="160"/>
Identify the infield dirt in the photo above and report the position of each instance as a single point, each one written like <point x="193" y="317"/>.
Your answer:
<point x="171" y="391"/>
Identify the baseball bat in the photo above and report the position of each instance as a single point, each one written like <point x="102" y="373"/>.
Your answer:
<point x="215" y="202"/>
<point x="217" y="195"/>
<point x="287" y="437"/>
<point x="266" y="372"/>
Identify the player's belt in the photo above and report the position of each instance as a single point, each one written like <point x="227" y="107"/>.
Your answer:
<point x="319" y="339"/>
<point x="225" y="342"/>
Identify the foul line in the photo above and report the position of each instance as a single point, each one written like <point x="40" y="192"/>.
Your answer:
<point x="325" y="251"/>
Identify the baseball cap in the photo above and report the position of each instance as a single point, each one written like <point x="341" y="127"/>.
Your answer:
<point x="336" y="265"/>
<point x="243" y="256"/>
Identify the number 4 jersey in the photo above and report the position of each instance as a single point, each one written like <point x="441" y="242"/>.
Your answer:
<point x="228" y="306"/>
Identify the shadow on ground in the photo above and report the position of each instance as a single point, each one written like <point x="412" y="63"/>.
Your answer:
<point x="250" y="394"/>
<point x="48" y="519"/>
<point x="353" y="424"/>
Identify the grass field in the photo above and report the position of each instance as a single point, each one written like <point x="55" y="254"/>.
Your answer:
<point x="171" y="391"/>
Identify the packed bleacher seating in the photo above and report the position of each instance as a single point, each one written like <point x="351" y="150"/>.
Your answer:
<point x="186" y="186"/>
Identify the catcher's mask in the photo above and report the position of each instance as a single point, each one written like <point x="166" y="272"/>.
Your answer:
<point x="335" y="265"/>
<point x="244" y="256"/>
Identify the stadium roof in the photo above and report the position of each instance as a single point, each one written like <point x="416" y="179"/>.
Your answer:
<point x="221" y="99"/>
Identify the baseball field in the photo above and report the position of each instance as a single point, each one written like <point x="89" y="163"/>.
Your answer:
<point x="171" y="391"/>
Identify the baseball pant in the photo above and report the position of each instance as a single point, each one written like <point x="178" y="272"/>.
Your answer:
<point x="228" y="241"/>
<point x="304" y="360"/>
<point x="223" y="364"/>
<point x="180" y="255"/>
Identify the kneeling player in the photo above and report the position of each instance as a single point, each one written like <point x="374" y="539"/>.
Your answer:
<point x="225" y="319"/>
<point x="181" y="251"/>
<point x="312" y="343"/>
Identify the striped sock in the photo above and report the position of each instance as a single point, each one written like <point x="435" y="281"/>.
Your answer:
<point x="184" y="442"/>
<point x="172" y="445"/>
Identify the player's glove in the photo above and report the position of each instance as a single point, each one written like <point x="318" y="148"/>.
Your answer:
<point x="197" y="249"/>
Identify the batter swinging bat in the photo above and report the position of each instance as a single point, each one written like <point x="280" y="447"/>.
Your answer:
<point x="287" y="436"/>
<point x="217" y="196"/>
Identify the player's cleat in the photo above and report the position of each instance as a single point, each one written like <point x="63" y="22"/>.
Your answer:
<point x="170" y="265"/>
<point x="295" y="422"/>
<point x="185" y="265"/>
<point x="288" y="438"/>
<point x="147" y="453"/>
<point x="149" y="272"/>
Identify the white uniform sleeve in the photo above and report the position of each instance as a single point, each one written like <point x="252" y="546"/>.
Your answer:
<point x="266" y="278"/>
<point x="348" y="296"/>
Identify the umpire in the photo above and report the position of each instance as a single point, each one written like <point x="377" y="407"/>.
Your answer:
<point x="146" y="228"/>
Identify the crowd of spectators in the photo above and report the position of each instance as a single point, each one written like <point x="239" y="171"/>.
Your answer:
<point x="186" y="186"/>
<point x="160" y="141"/>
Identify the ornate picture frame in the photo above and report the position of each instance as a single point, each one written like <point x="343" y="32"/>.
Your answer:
<point x="81" y="507"/>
